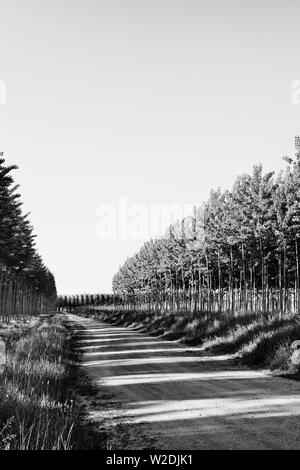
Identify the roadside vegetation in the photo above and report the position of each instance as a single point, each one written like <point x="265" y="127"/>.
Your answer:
<point x="261" y="340"/>
<point x="36" y="412"/>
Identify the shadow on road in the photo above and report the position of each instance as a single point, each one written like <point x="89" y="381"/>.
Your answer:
<point x="183" y="397"/>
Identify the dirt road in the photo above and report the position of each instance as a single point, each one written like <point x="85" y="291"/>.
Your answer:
<point x="163" y="395"/>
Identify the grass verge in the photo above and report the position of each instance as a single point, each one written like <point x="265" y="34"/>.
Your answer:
<point x="255" y="339"/>
<point x="35" y="410"/>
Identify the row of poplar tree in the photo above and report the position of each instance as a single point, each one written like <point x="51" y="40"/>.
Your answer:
<point x="27" y="287"/>
<point x="71" y="302"/>
<point x="238" y="252"/>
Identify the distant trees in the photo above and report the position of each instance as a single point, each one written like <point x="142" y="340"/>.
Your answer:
<point x="239" y="251"/>
<point x="26" y="285"/>
<point x="69" y="303"/>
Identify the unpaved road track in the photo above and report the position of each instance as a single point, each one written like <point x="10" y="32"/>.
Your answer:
<point x="173" y="397"/>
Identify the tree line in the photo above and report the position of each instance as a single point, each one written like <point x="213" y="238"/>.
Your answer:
<point x="238" y="252"/>
<point x="70" y="302"/>
<point x="26" y="285"/>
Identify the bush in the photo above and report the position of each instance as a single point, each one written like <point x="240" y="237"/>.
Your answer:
<point x="281" y="357"/>
<point x="262" y="347"/>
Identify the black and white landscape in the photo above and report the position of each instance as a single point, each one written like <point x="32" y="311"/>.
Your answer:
<point x="149" y="226"/>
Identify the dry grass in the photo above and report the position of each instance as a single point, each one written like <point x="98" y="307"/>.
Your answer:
<point x="34" y="411"/>
<point x="262" y="349"/>
<point x="281" y="358"/>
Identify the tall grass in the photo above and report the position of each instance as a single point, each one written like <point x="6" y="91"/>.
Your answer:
<point x="34" y="410"/>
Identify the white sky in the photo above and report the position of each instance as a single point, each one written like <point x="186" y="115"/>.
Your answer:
<point x="155" y="100"/>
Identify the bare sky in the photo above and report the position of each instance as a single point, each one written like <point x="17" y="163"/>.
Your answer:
<point x="155" y="100"/>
